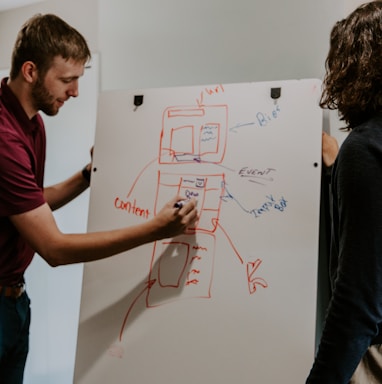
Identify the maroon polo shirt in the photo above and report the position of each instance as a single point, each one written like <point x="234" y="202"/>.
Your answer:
<point x="22" y="160"/>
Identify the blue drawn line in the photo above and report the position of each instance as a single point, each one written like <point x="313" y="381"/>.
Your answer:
<point x="238" y="125"/>
<point x="269" y="204"/>
<point x="263" y="119"/>
<point x="208" y="139"/>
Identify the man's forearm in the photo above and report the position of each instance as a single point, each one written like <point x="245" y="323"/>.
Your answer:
<point x="62" y="193"/>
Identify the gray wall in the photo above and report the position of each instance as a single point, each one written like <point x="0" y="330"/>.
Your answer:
<point x="164" y="43"/>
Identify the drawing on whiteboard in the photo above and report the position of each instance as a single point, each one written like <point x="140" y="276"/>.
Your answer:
<point x="245" y="277"/>
<point x="183" y="267"/>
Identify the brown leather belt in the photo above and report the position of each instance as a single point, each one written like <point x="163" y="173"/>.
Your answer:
<point x="15" y="291"/>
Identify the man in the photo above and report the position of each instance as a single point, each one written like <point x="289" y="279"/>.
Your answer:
<point x="48" y="59"/>
<point x="353" y="85"/>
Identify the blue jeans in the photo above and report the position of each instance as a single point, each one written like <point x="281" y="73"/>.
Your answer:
<point x="14" y="337"/>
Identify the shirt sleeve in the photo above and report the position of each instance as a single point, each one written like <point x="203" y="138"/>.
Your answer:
<point x="19" y="190"/>
<point x="355" y="310"/>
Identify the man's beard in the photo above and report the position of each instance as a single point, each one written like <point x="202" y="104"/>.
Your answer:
<point x="42" y="99"/>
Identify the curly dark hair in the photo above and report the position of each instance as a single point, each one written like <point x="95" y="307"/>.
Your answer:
<point x="353" y="79"/>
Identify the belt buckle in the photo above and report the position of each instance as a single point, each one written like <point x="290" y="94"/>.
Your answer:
<point x="14" y="291"/>
<point x="17" y="290"/>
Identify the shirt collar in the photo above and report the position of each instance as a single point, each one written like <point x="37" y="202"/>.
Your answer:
<point x="13" y="105"/>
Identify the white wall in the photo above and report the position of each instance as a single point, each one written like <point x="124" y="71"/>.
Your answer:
<point x="82" y="14"/>
<point x="146" y="44"/>
<point x="171" y="42"/>
<point x="350" y="5"/>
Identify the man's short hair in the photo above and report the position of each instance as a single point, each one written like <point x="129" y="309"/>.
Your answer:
<point x="44" y="37"/>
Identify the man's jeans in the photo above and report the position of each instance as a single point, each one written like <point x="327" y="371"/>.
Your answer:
<point x="14" y="337"/>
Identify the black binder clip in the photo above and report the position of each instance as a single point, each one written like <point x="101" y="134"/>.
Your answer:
<point x="275" y="93"/>
<point x="138" y="100"/>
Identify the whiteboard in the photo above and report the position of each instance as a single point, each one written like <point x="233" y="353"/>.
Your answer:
<point x="235" y="297"/>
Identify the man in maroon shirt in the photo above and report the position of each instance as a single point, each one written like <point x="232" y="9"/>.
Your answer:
<point x="48" y="59"/>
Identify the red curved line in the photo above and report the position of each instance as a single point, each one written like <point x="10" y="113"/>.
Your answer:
<point x="216" y="222"/>
<point x="139" y="175"/>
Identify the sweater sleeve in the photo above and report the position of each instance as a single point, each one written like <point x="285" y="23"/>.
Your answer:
<point x="355" y="309"/>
